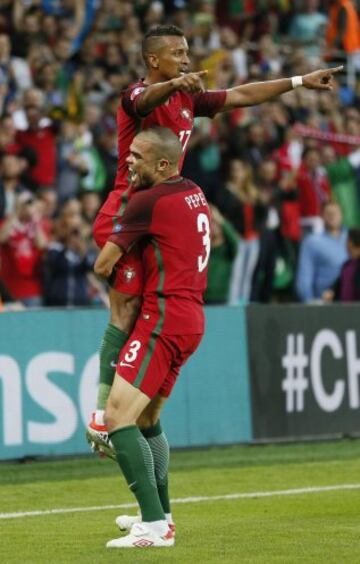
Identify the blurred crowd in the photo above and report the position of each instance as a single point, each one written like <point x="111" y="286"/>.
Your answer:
<point x="283" y="178"/>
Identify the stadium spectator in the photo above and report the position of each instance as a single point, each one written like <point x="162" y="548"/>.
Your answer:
<point x="90" y="205"/>
<point x="66" y="265"/>
<point x="69" y="218"/>
<point x="8" y="143"/>
<point x="14" y="70"/>
<point x="26" y="21"/>
<point x="240" y="203"/>
<point x="307" y="29"/>
<point x="47" y="80"/>
<point x="80" y="166"/>
<point x="48" y="205"/>
<point x="269" y="61"/>
<point x="321" y="256"/>
<point x="237" y="52"/>
<point x="203" y="160"/>
<point x="343" y="31"/>
<point x="49" y="29"/>
<point x="11" y="168"/>
<point x="341" y="173"/>
<point x="347" y="286"/>
<point x="314" y="191"/>
<point x="224" y="247"/>
<point x="206" y="37"/>
<point x="40" y="135"/>
<point x="275" y="193"/>
<point x="255" y="146"/>
<point x="22" y="242"/>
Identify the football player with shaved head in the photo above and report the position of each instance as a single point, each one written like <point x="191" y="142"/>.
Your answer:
<point x="170" y="217"/>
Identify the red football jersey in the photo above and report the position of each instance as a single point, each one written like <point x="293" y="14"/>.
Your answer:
<point x="43" y="141"/>
<point x="21" y="262"/>
<point x="176" y="114"/>
<point x="174" y="216"/>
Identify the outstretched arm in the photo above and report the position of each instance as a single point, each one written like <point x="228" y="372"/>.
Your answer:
<point x="258" y="92"/>
<point x="157" y="94"/>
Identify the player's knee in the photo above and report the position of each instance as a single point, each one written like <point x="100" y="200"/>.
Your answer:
<point x="116" y="418"/>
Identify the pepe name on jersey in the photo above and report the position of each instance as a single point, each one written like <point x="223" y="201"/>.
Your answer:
<point x="195" y="200"/>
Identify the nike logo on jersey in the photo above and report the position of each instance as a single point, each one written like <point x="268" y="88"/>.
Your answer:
<point x="113" y="364"/>
<point x="126" y="364"/>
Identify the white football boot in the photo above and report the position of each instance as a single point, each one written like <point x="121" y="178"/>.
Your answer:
<point x="142" y="536"/>
<point x="125" y="522"/>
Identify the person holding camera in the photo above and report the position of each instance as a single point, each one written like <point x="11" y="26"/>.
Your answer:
<point x="68" y="262"/>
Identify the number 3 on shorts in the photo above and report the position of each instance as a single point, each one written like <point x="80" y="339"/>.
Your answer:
<point x="133" y="351"/>
<point x="203" y="226"/>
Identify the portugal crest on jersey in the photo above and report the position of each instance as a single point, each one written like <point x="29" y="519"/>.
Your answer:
<point x="186" y="114"/>
<point x="129" y="274"/>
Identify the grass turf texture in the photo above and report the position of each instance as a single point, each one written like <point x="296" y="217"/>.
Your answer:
<point x="314" y="528"/>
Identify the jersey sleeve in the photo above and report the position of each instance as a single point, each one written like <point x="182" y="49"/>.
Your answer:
<point x="129" y="100"/>
<point x="135" y="222"/>
<point x="209" y="103"/>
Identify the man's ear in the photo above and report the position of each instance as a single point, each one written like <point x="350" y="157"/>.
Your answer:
<point x="153" y="61"/>
<point x="162" y="165"/>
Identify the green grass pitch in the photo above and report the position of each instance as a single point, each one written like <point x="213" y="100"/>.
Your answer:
<point x="316" y="527"/>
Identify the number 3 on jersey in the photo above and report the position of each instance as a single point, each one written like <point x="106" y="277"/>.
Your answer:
<point x="203" y="226"/>
<point x="134" y="347"/>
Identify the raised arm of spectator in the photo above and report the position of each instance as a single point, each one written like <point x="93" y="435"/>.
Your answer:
<point x="258" y="92"/>
<point x="305" y="272"/>
<point x="79" y="17"/>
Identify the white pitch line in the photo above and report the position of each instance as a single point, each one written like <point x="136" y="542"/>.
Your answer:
<point x="246" y="495"/>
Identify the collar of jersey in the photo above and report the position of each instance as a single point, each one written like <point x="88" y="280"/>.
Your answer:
<point x="173" y="180"/>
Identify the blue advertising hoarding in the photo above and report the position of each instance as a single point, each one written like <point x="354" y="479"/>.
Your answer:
<point x="49" y="374"/>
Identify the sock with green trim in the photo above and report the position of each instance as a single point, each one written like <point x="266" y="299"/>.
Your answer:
<point x="136" y="462"/>
<point x="111" y="345"/>
<point x="159" y="447"/>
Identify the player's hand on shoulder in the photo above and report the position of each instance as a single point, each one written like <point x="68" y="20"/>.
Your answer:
<point x="190" y="82"/>
<point x="321" y="79"/>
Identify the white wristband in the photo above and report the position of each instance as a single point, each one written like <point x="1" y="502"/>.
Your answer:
<point x="296" y="81"/>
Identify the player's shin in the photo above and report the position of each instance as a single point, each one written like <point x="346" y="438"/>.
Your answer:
<point x="111" y="345"/>
<point x="136" y="462"/>
<point x="159" y="447"/>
